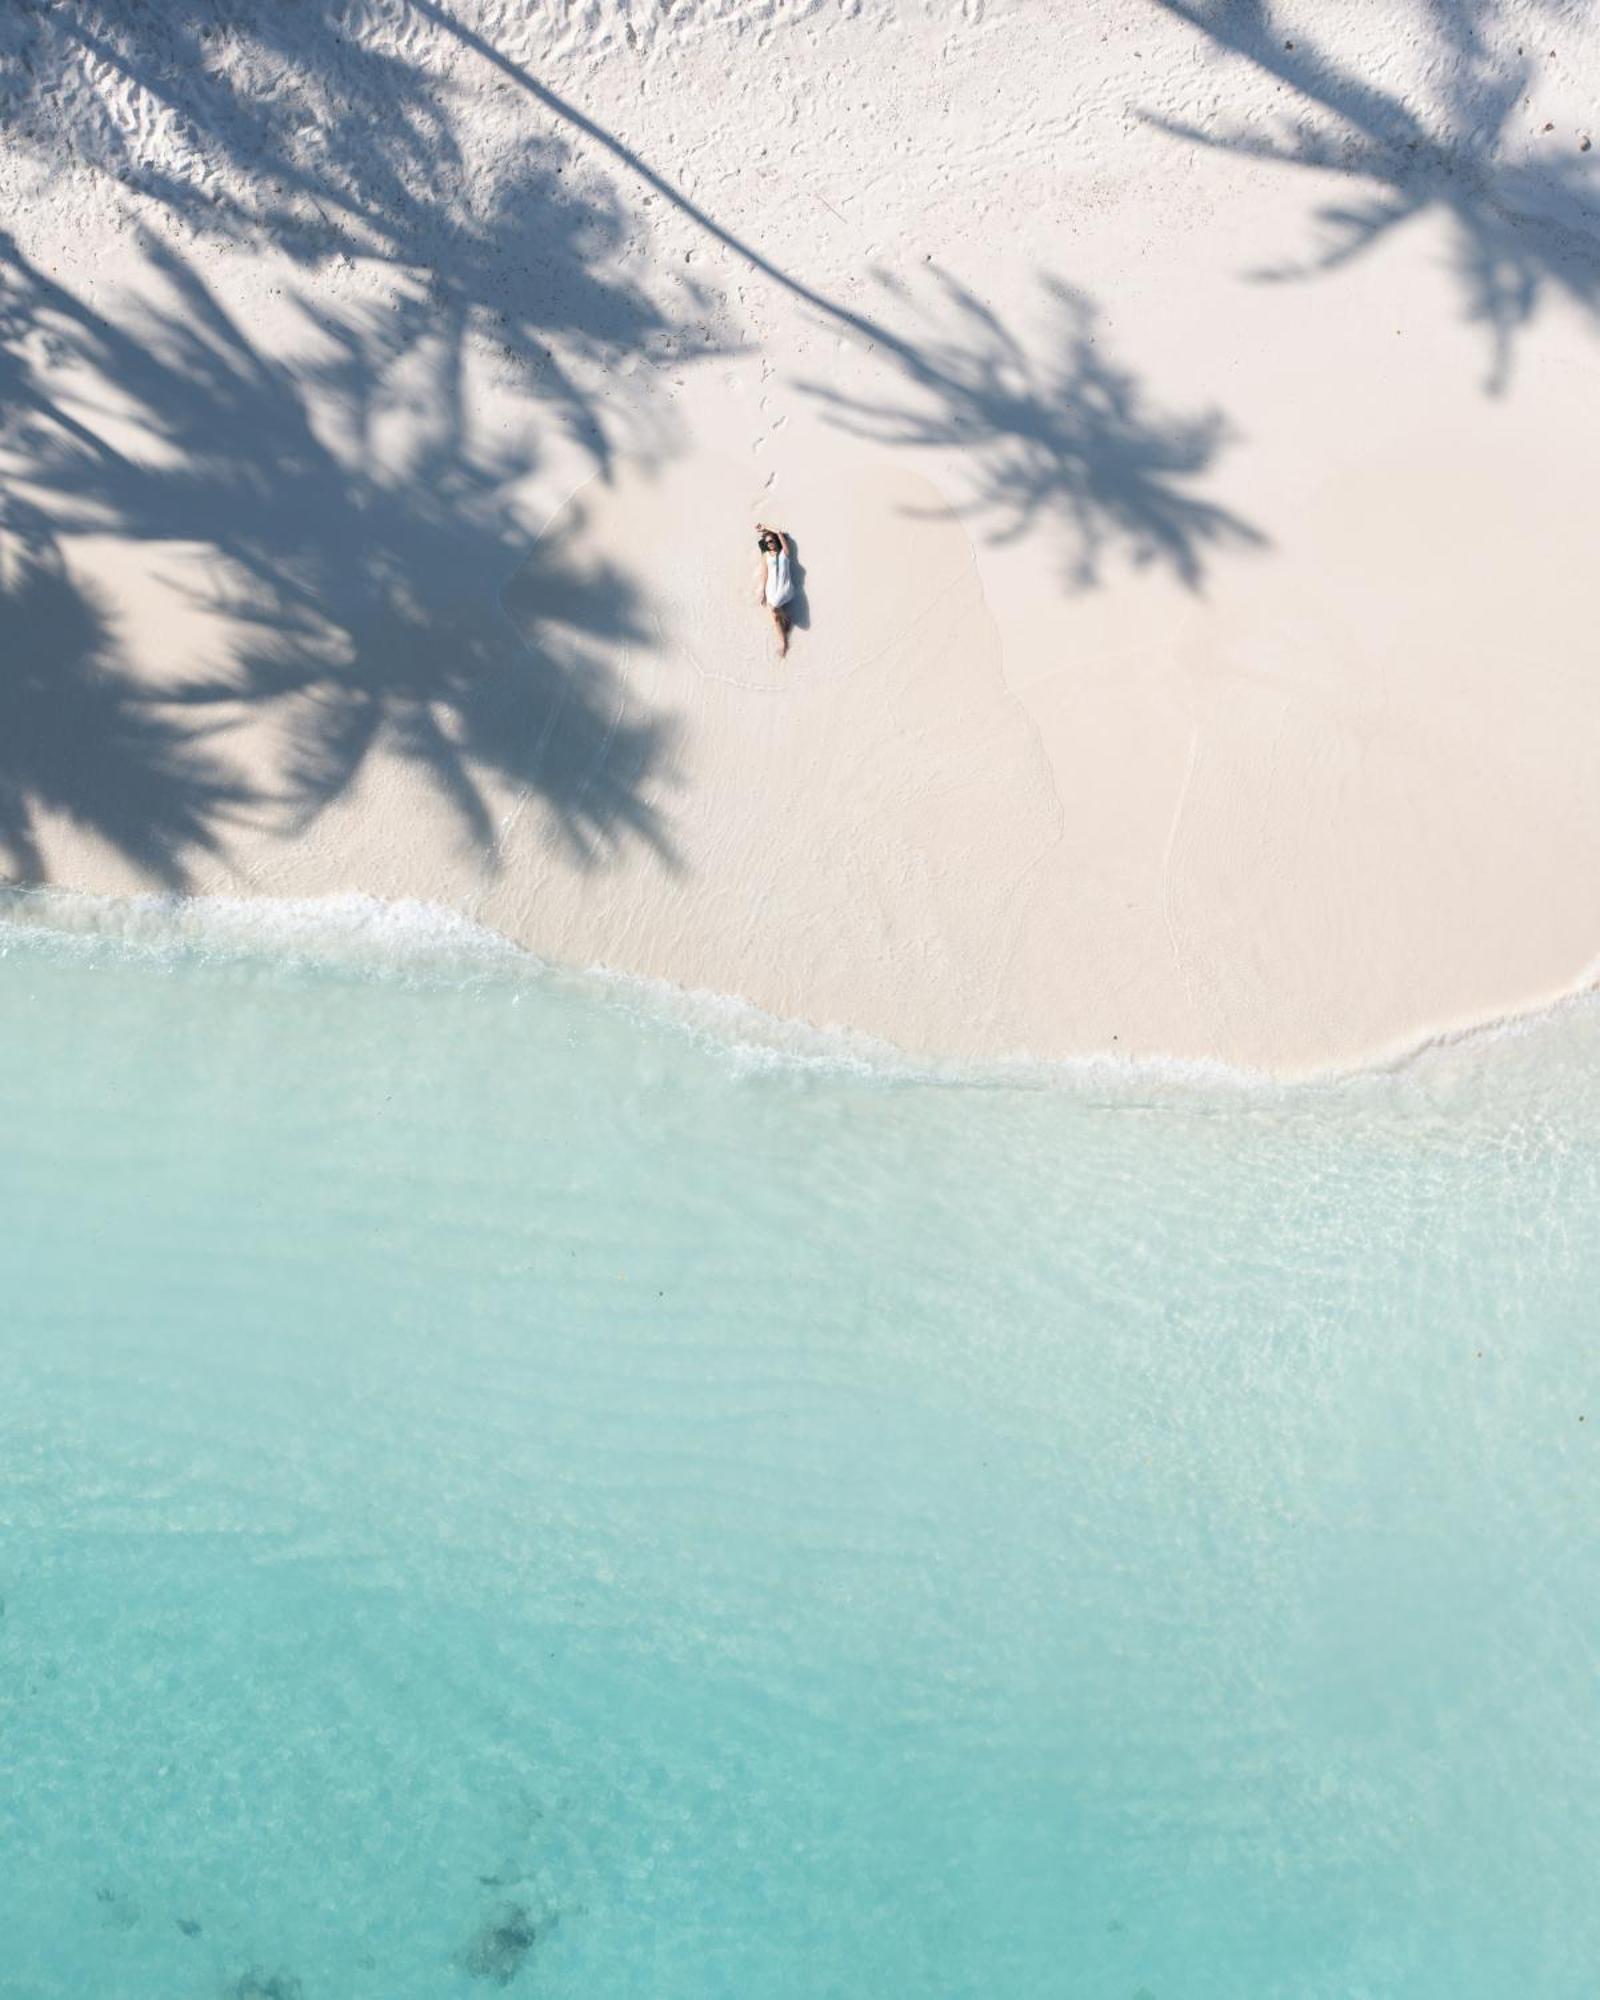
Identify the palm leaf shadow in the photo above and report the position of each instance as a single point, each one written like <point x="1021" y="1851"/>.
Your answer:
<point x="84" y="739"/>
<point x="1522" y="229"/>
<point x="1068" y="444"/>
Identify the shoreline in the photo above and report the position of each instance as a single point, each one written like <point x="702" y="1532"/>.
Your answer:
<point x="355" y="932"/>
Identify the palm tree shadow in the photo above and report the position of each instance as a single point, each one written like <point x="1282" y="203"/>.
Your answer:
<point x="1522" y="229"/>
<point x="368" y="594"/>
<point x="83" y="739"/>
<point x="1068" y="444"/>
<point x="353" y="154"/>
<point x="370" y="598"/>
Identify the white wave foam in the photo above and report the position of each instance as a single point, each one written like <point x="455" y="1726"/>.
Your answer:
<point x="342" y="928"/>
<point x="758" y="1041"/>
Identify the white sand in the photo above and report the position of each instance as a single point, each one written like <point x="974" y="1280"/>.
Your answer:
<point x="1200" y="657"/>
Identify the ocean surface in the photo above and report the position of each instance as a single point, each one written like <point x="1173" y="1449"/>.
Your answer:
<point x="511" y="1483"/>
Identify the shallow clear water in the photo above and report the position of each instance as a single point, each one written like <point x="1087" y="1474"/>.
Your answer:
<point x="496" y="1486"/>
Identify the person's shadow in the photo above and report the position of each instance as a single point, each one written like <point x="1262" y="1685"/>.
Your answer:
<point x="799" y="604"/>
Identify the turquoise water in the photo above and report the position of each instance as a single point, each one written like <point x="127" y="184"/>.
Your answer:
<point x="500" y="1489"/>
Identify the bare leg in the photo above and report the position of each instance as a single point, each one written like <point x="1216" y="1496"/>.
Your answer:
<point x="780" y="618"/>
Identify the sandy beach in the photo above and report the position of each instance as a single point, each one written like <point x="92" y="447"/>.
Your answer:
<point x="1185" y="417"/>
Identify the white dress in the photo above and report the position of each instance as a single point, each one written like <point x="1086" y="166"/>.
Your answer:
<point x="780" y="584"/>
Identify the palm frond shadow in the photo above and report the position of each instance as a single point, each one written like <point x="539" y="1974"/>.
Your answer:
<point x="83" y="739"/>
<point x="370" y="595"/>
<point x="1067" y="443"/>
<point x="351" y="153"/>
<point x="1522" y="229"/>
<point x="364" y="583"/>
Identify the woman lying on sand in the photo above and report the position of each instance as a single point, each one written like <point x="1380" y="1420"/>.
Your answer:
<point x="778" y="584"/>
